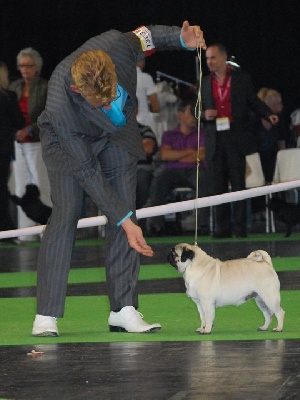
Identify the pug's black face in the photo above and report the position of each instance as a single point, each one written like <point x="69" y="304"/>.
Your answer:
<point x="179" y="255"/>
<point x="172" y="256"/>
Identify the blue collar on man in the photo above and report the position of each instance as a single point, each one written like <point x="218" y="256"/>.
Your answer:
<point x="115" y="113"/>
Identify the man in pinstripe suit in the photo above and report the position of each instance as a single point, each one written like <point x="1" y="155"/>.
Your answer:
<point x="91" y="142"/>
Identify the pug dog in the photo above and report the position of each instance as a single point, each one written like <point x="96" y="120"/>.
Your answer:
<point x="212" y="283"/>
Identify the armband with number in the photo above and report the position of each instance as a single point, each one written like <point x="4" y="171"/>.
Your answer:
<point x="144" y="34"/>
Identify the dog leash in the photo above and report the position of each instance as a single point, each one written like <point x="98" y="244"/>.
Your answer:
<point x="198" y="110"/>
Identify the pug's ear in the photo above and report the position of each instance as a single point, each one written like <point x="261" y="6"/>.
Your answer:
<point x="187" y="254"/>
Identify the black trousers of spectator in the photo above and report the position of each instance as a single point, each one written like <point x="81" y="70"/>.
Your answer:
<point x="5" y="216"/>
<point x="228" y="173"/>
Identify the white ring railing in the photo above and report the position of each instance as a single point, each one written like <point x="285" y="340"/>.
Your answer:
<point x="168" y="208"/>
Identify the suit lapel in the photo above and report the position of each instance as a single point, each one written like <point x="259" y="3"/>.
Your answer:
<point x="97" y="117"/>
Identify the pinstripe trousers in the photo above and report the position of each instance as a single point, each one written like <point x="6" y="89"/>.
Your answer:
<point x="55" y="254"/>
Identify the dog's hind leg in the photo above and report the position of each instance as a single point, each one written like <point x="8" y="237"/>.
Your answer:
<point x="272" y="301"/>
<point x="266" y="312"/>
<point x="273" y="305"/>
<point x="280" y="313"/>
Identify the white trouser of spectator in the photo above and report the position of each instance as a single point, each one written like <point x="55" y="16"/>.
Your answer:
<point x="29" y="168"/>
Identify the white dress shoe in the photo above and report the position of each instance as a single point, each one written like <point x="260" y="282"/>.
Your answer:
<point x="44" y="326"/>
<point x="130" y="320"/>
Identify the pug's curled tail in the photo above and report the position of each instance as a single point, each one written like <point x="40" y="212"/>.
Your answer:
<point x="260" y="256"/>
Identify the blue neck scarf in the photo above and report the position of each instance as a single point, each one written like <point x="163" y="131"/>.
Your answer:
<point x="115" y="113"/>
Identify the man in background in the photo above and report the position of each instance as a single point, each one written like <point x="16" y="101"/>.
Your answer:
<point x="227" y="98"/>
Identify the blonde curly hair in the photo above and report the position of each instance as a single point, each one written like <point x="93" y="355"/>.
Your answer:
<point x="93" y="73"/>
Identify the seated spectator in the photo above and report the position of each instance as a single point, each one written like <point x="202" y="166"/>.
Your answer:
<point x="179" y="152"/>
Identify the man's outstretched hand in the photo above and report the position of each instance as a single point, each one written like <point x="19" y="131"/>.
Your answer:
<point x="136" y="239"/>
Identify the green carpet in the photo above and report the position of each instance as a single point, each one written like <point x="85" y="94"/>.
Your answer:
<point x="86" y="321"/>
<point x="154" y="271"/>
<point x="86" y="316"/>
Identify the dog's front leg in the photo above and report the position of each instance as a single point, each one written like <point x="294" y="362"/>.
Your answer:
<point x="201" y="314"/>
<point x="208" y="309"/>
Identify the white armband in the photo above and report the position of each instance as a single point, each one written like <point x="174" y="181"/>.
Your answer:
<point x="144" y="34"/>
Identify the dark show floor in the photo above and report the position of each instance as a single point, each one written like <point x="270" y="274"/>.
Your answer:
<point x="158" y="370"/>
<point x="155" y="371"/>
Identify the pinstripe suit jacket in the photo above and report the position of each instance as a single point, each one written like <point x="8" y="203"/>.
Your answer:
<point x="73" y="133"/>
<point x="243" y="99"/>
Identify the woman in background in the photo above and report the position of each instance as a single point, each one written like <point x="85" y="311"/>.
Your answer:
<point x="11" y="120"/>
<point x="270" y="138"/>
<point x="31" y="90"/>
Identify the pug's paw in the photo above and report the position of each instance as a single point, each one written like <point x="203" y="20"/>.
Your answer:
<point x="203" y="331"/>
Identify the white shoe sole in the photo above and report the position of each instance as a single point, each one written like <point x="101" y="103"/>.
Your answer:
<point x="121" y="329"/>
<point x="45" y="334"/>
<point x="44" y="326"/>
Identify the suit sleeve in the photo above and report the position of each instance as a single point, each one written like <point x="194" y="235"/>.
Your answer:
<point x="155" y="38"/>
<point x="88" y="172"/>
<point x="166" y="37"/>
